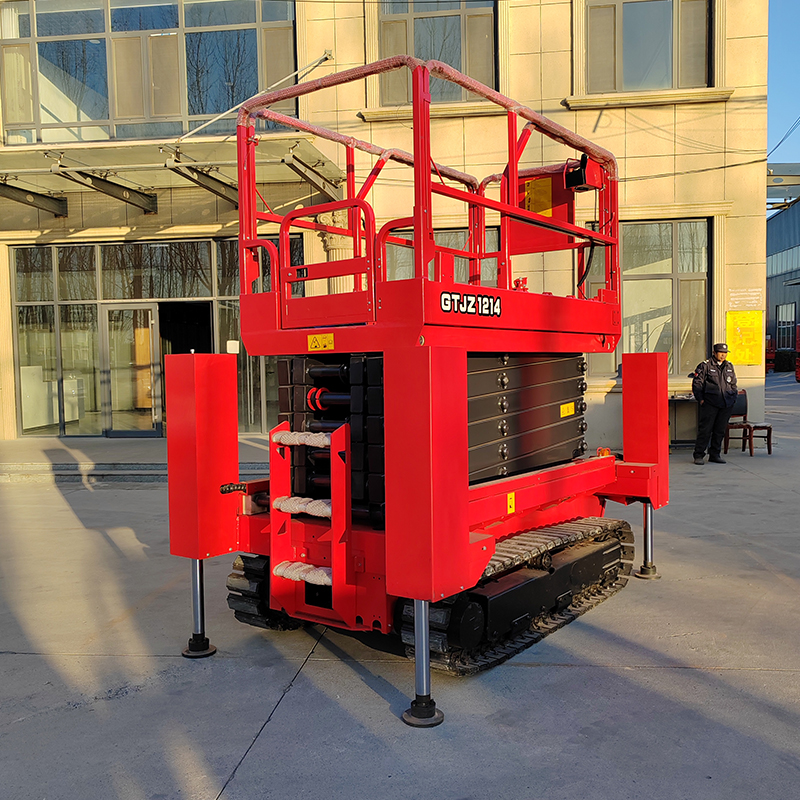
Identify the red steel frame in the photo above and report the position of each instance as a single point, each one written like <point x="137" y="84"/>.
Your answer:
<point x="440" y="532"/>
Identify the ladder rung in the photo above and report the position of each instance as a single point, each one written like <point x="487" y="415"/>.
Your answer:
<point x="298" y="571"/>
<point x="299" y="438"/>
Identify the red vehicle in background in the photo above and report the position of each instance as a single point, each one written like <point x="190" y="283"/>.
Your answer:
<point x="797" y="353"/>
<point x="430" y="476"/>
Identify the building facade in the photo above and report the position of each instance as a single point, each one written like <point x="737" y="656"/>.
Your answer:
<point x="118" y="224"/>
<point x="783" y="277"/>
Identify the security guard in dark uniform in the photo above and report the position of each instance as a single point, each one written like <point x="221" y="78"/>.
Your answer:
<point x="714" y="388"/>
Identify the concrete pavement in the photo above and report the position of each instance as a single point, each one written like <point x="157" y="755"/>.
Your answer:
<point x="685" y="688"/>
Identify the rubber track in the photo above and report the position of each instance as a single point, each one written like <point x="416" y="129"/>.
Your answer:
<point x="249" y="595"/>
<point x="520" y="550"/>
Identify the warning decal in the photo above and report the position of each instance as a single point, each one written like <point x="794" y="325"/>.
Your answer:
<point x="320" y="341"/>
<point x="539" y="196"/>
<point x="567" y="409"/>
<point x="512" y="502"/>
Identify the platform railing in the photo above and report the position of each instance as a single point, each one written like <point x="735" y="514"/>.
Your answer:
<point x="430" y="178"/>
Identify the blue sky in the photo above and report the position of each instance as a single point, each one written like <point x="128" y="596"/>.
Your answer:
<point x="783" y="91"/>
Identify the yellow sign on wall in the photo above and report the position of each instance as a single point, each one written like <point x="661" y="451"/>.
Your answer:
<point x="745" y="336"/>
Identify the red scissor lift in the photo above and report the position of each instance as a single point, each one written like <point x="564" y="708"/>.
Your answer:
<point x="454" y="501"/>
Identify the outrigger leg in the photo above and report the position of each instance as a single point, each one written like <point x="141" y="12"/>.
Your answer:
<point x="648" y="569"/>
<point x="423" y="712"/>
<point x="199" y="646"/>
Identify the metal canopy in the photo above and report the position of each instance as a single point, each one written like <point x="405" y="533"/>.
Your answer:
<point x="55" y="205"/>
<point x="148" y="202"/>
<point x="132" y="171"/>
<point x="331" y="190"/>
<point x="783" y="185"/>
<point x="202" y="178"/>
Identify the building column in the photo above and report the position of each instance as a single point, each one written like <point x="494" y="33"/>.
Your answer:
<point x="8" y="404"/>
<point x="337" y="248"/>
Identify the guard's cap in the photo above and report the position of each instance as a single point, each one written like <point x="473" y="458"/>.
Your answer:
<point x="721" y="347"/>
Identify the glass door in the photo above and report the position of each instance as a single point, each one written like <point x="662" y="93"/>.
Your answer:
<point x="132" y="371"/>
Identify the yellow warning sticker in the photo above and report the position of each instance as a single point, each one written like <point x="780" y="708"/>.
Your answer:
<point x="539" y="196"/>
<point x="567" y="409"/>
<point x="320" y="341"/>
<point x="512" y="502"/>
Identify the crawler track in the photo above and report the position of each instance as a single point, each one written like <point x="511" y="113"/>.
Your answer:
<point x="249" y="594"/>
<point x="526" y="549"/>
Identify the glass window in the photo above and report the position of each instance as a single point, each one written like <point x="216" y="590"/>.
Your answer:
<point x="130" y="74"/>
<point x="459" y="32"/>
<point x="15" y="19"/>
<point x="69" y="17"/>
<point x="128" y="86"/>
<point x="647" y="45"/>
<point x="75" y="85"/>
<point x="644" y="45"/>
<point x="77" y="277"/>
<point x="665" y="297"/>
<point x="165" y="90"/>
<point x="647" y="317"/>
<point x="601" y="55"/>
<point x="693" y="307"/>
<point x="221" y="69"/>
<point x="17" y="92"/>
<point x="785" y="315"/>
<point x="20" y="137"/>
<point x="647" y="248"/>
<point x="228" y="265"/>
<point x="400" y="259"/>
<point x="693" y="246"/>
<point x="34" y="273"/>
<point x="134" y="271"/>
<point x="38" y="385"/>
<point x="693" y="45"/>
<point x="279" y="60"/>
<point x="149" y="130"/>
<point x="86" y="133"/>
<point x="228" y="269"/>
<point x="249" y="368"/>
<point x="80" y="369"/>
<point x="276" y="10"/>
<point x="439" y="38"/>
<point x="142" y="15"/>
<point x="204" y="13"/>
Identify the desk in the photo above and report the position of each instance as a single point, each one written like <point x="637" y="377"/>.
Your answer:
<point x="682" y="419"/>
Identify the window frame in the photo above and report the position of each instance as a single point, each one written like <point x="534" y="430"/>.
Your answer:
<point x="375" y="112"/>
<point x="785" y="328"/>
<point x="716" y="91"/>
<point x="619" y="39"/>
<point x="677" y="278"/>
<point x="410" y="16"/>
<point x="106" y="129"/>
<point x="266" y="364"/>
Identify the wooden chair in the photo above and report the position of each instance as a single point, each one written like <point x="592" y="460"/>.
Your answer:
<point x="739" y="421"/>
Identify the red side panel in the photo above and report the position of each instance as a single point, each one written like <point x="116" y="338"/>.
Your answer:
<point x="428" y="551"/>
<point x="202" y="453"/>
<point x="543" y="195"/>
<point x="645" y="428"/>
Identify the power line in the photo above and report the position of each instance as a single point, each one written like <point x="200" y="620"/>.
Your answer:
<point x="792" y="128"/>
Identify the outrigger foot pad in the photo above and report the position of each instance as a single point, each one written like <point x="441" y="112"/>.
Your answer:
<point x="423" y="713"/>
<point x="647" y="572"/>
<point x="199" y="647"/>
